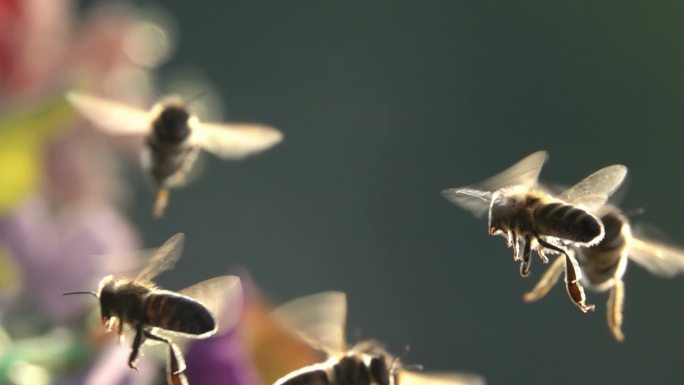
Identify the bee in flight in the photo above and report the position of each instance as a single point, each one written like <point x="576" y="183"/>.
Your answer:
<point x="532" y="219"/>
<point x="603" y="266"/>
<point x="173" y="137"/>
<point x="158" y="315"/>
<point x="319" y="319"/>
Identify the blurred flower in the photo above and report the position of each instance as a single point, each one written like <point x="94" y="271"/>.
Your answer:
<point x="256" y="351"/>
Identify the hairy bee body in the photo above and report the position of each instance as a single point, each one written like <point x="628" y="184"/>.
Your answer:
<point x="365" y="364"/>
<point x="167" y="143"/>
<point x="605" y="262"/>
<point x="138" y="303"/>
<point x="536" y="213"/>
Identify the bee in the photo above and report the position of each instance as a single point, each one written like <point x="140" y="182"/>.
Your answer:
<point x="603" y="266"/>
<point x="319" y="320"/>
<point x="533" y="219"/>
<point x="173" y="137"/>
<point x="157" y="315"/>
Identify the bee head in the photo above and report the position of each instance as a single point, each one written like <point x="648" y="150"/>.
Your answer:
<point x="171" y="125"/>
<point x="502" y="210"/>
<point x="107" y="295"/>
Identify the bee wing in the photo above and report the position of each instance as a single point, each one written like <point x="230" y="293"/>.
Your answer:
<point x="475" y="201"/>
<point x="413" y="378"/>
<point x="112" y="117"/>
<point x="235" y="140"/>
<point x="222" y="296"/>
<point x="524" y="173"/>
<point x="659" y="258"/>
<point x="476" y="198"/>
<point x="164" y="258"/>
<point x="319" y="319"/>
<point x="594" y="190"/>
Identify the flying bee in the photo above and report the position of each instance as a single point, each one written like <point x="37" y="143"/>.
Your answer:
<point x="173" y="137"/>
<point x="319" y="320"/>
<point x="532" y="219"/>
<point x="158" y="315"/>
<point x="603" y="265"/>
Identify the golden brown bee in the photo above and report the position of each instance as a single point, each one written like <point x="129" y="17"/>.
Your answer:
<point x="173" y="137"/>
<point x="603" y="265"/>
<point x="532" y="219"/>
<point x="319" y="320"/>
<point x="154" y="314"/>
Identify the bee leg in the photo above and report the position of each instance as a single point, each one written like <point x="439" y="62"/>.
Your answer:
<point x="137" y="342"/>
<point x="176" y="361"/>
<point x="526" y="257"/>
<point x="161" y="201"/>
<point x="615" y="304"/>
<point x="572" y="285"/>
<point x="572" y="277"/>
<point x="546" y="282"/>
<point x="513" y="241"/>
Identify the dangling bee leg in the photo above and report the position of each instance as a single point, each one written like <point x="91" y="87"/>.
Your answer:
<point x="176" y="363"/>
<point x="573" y="286"/>
<point x="546" y="282"/>
<point x="513" y="242"/>
<point x="615" y="304"/>
<point x="526" y="257"/>
<point x="161" y="201"/>
<point x="572" y="277"/>
<point x="137" y="343"/>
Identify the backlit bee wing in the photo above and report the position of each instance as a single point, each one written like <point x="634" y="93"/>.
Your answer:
<point x="112" y="117"/>
<point x="413" y="378"/>
<point x="659" y="258"/>
<point x="235" y="140"/>
<point x="476" y="198"/>
<point x="319" y="319"/>
<point x="594" y="190"/>
<point x="164" y="258"/>
<point x="222" y="296"/>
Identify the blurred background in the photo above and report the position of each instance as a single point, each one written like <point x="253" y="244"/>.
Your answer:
<point x="383" y="104"/>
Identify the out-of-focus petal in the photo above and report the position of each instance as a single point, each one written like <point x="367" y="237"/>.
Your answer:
<point x="63" y="252"/>
<point x="222" y="360"/>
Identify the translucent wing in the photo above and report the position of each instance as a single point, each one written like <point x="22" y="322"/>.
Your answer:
<point x="319" y="319"/>
<point x="594" y="190"/>
<point x="234" y="141"/>
<point x="476" y="198"/>
<point x="659" y="258"/>
<point x="222" y="296"/>
<point x="164" y="258"/>
<point x="112" y="117"/>
<point x="475" y="201"/>
<point x="524" y="173"/>
<point x="413" y="378"/>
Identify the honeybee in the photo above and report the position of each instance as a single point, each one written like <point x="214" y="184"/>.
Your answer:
<point x="603" y="266"/>
<point x="319" y="319"/>
<point x="532" y="219"/>
<point x="154" y="314"/>
<point x="173" y="137"/>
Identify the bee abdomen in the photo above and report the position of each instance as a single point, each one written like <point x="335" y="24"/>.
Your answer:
<point x="567" y="222"/>
<point x="178" y="313"/>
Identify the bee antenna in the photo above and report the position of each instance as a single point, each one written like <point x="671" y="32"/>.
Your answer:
<point x="81" y="292"/>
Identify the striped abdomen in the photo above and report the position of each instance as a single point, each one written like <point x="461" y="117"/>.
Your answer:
<point x="566" y="222"/>
<point x="601" y="263"/>
<point x="178" y="313"/>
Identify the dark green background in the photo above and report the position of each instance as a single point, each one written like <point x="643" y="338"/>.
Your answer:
<point x="385" y="103"/>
